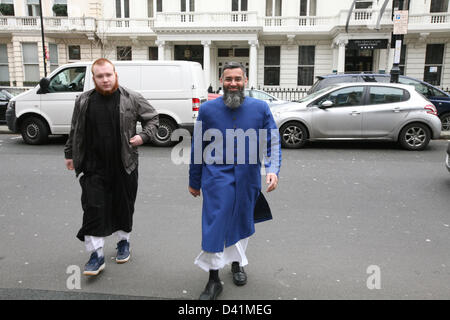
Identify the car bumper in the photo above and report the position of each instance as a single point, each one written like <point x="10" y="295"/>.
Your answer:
<point x="11" y="120"/>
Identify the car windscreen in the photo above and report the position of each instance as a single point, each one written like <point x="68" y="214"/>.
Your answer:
<point x="314" y="95"/>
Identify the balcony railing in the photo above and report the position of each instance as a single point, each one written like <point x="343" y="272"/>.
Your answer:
<point x="206" y="19"/>
<point x="53" y="24"/>
<point x="437" y="20"/>
<point x="126" y="26"/>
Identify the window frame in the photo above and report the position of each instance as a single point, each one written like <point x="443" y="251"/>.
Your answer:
<point x="308" y="66"/>
<point x="268" y="66"/>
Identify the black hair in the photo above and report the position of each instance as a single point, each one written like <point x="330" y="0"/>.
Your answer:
<point x="234" y="65"/>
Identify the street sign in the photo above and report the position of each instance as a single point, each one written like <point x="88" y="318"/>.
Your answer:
<point x="400" y="22"/>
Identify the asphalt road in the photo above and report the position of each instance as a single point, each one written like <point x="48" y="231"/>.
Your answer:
<point x="345" y="215"/>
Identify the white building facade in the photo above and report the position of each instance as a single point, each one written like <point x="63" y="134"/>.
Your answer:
<point x="282" y="43"/>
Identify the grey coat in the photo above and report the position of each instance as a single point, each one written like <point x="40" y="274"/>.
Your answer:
<point x="133" y="107"/>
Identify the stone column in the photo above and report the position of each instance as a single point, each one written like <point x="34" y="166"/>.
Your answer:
<point x="207" y="61"/>
<point x="253" y="64"/>
<point x="341" y="56"/>
<point x="161" y="46"/>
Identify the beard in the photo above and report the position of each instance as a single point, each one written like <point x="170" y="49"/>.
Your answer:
<point x="233" y="99"/>
<point x="107" y="92"/>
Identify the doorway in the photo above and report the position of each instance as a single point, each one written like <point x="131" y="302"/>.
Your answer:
<point x="359" y="60"/>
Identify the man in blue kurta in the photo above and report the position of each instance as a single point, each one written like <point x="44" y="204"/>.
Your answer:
<point x="233" y="135"/>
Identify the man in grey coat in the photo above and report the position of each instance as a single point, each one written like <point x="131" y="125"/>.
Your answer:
<point x="102" y="145"/>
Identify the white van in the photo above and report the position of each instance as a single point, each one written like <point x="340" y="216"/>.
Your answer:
<point x="174" y="88"/>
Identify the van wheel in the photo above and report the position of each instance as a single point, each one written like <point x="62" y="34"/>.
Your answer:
<point x="415" y="136"/>
<point x="164" y="133"/>
<point x="34" y="131"/>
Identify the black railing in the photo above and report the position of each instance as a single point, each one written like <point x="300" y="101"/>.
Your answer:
<point x="293" y="94"/>
<point x="289" y="94"/>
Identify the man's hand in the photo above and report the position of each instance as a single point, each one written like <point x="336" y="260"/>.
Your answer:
<point x="272" y="181"/>
<point x="194" y="192"/>
<point x="69" y="164"/>
<point x="136" y="141"/>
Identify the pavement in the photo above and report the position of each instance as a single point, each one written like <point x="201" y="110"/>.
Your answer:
<point x="445" y="135"/>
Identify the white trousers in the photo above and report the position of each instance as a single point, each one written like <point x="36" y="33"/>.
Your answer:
<point x="217" y="260"/>
<point x="95" y="243"/>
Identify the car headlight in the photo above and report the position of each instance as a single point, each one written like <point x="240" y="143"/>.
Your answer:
<point x="11" y="105"/>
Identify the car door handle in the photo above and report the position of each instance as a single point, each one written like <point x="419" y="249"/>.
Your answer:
<point x="355" y="113"/>
<point x="396" y="109"/>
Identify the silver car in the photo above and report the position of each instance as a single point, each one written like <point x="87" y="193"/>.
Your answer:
<point x="382" y="111"/>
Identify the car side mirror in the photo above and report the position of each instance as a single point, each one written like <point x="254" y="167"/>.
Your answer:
<point x="326" y="104"/>
<point x="43" y="86"/>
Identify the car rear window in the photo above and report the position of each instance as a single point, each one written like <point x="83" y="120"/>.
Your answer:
<point x="380" y="95"/>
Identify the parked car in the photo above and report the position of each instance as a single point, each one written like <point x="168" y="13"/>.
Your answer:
<point x="254" y="93"/>
<point x="439" y="98"/>
<point x="359" y="111"/>
<point x="175" y="89"/>
<point x="447" y="158"/>
<point x="5" y="96"/>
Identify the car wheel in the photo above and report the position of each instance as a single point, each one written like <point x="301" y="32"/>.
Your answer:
<point x="415" y="136"/>
<point x="293" y="135"/>
<point x="164" y="133"/>
<point x="445" y="120"/>
<point x="34" y="131"/>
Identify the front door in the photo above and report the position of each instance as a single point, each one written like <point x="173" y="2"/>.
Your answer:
<point x="357" y="60"/>
<point x="343" y="119"/>
<point x="58" y="104"/>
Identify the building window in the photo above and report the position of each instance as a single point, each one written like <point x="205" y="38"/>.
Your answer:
<point x="152" y="53"/>
<point x="122" y="9"/>
<point x="402" y="64"/>
<point x="308" y="8"/>
<point x="60" y="8"/>
<point x="4" y="70"/>
<point x="272" y="66"/>
<point x="151" y="7"/>
<point x="396" y="5"/>
<point x="187" y="5"/>
<point x="30" y="63"/>
<point x="53" y="52"/>
<point x="433" y="64"/>
<point x="33" y="8"/>
<point x="306" y="55"/>
<point x="439" y="6"/>
<point x="6" y="7"/>
<point x="239" y="5"/>
<point x="363" y="4"/>
<point x="74" y="53"/>
<point x="124" y="53"/>
<point x="273" y="8"/>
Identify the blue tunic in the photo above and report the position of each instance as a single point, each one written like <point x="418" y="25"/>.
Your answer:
<point x="230" y="180"/>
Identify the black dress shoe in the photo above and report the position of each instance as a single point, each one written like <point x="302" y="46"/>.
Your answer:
<point x="212" y="290"/>
<point x="239" y="275"/>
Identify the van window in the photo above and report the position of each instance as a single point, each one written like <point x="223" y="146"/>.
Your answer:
<point x="380" y="95"/>
<point x="68" y="80"/>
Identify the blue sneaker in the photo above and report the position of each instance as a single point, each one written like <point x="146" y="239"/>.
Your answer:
<point x="123" y="251"/>
<point x="95" y="265"/>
